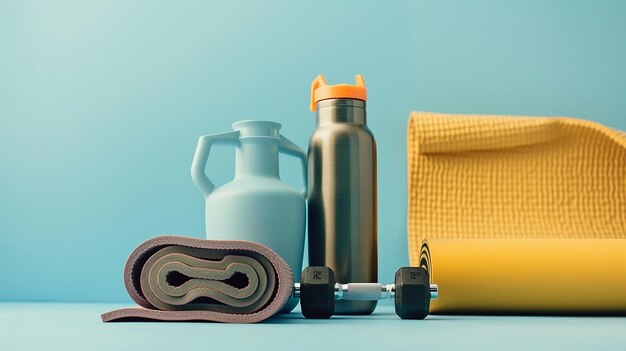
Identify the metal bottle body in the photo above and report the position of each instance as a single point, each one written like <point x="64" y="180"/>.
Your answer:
<point x="343" y="226"/>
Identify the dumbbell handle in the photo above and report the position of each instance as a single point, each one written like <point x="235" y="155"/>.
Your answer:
<point x="372" y="291"/>
<point x="366" y="291"/>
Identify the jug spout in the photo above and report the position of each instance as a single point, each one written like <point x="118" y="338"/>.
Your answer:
<point x="255" y="128"/>
<point x="258" y="144"/>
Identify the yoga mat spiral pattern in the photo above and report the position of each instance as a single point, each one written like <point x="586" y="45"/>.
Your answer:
<point x="175" y="278"/>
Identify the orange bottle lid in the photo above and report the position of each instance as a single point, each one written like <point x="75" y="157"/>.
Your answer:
<point x="321" y="91"/>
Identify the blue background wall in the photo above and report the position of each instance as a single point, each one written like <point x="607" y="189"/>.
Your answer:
<point x="101" y="105"/>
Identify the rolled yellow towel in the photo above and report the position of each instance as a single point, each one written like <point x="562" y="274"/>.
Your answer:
<point x="493" y="177"/>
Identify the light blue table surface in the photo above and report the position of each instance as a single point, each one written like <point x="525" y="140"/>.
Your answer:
<point x="67" y="326"/>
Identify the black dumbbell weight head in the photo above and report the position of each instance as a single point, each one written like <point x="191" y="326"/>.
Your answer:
<point x="317" y="292"/>
<point x="412" y="293"/>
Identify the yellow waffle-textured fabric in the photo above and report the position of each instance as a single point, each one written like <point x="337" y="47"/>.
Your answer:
<point x="513" y="177"/>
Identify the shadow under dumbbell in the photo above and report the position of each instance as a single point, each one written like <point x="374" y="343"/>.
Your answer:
<point x="383" y="313"/>
<point x="298" y="318"/>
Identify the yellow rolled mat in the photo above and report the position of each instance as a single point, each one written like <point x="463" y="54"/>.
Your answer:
<point x="527" y="276"/>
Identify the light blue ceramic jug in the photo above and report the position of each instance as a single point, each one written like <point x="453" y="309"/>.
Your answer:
<point x="256" y="205"/>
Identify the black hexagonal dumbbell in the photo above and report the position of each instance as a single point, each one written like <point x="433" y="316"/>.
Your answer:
<point x="317" y="292"/>
<point x="412" y="292"/>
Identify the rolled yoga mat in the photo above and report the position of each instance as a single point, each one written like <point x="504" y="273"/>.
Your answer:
<point x="527" y="276"/>
<point x="175" y="278"/>
<point x="516" y="179"/>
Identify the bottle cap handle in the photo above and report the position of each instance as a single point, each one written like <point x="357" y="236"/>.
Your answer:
<point x="322" y="91"/>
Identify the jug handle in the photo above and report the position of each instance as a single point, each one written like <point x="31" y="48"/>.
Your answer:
<point x="288" y="147"/>
<point x="198" y="166"/>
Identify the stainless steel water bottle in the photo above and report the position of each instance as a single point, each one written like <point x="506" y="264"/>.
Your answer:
<point x="343" y="226"/>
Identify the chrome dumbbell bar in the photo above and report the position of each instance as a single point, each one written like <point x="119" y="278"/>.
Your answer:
<point x="366" y="291"/>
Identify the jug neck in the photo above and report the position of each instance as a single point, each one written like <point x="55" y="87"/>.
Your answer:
<point x="257" y="156"/>
<point x="341" y="111"/>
